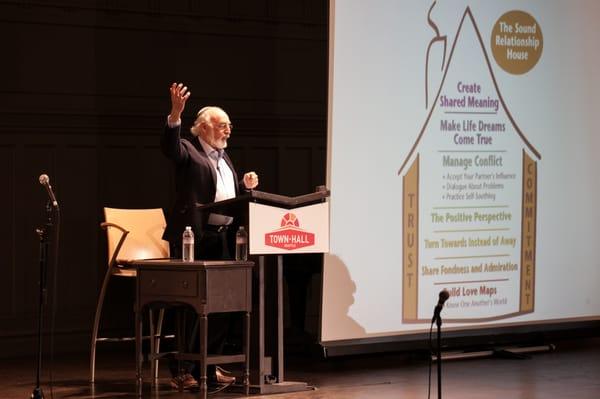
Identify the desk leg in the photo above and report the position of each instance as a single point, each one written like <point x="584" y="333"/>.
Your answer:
<point x="181" y="337"/>
<point x="138" y="351"/>
<point x="203" y="321"/>
<point x="247" y="353"/>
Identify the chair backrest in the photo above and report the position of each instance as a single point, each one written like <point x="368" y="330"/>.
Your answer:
<point x="144" y="240"/>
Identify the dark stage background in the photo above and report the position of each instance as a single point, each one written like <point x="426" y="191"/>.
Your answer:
<point x="84" y="96"/>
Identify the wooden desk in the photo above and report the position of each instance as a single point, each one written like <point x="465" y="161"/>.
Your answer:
<point x="208" y="287"/>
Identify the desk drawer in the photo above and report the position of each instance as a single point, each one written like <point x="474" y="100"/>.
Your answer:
<point x="174" y="283"/>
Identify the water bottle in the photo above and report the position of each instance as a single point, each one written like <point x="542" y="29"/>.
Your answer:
<point x="241" y="244"/>
<point x="187" y="253"/>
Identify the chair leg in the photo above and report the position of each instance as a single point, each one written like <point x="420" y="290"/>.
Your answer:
<point x="97" y="324"/>
<point x="153" y="351"/>
<point x="159" y="323"/>
<point x="155" y="334"/>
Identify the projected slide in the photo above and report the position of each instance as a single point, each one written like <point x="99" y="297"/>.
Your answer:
<point x="461" y="157"/>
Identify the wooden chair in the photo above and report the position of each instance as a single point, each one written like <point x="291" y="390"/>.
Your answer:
<point x="132" y="234"/>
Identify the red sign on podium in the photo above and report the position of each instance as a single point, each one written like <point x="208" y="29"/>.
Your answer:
<point x="290" y="235"/>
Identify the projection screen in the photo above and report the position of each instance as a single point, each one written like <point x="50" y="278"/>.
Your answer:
<point x="462" y="155"/>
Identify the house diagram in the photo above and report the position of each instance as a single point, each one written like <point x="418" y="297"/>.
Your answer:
<point x="469" y="194"/>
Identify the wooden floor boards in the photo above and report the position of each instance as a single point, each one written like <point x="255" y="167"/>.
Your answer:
<point x="571" y="371"/>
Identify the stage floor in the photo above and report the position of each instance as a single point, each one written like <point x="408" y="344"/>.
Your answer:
<point x="571" y="371"/>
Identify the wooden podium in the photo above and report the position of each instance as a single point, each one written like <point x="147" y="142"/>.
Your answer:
<point x="276" y="225"/>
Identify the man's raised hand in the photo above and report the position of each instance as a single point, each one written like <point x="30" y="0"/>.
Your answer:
<point x="179" y="95"/>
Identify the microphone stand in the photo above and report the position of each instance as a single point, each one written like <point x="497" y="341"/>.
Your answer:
<point x="438" y="323"/>
<point x="43" y="234"/>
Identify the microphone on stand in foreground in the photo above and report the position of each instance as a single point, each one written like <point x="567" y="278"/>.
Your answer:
<point x="45" y="181"/>
<point x="444" y="295"/>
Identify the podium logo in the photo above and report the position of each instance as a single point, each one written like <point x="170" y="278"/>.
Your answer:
<point x="289" y="236"/>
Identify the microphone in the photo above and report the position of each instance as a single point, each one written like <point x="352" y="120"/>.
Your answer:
<point x="45" y="181"/>
<point x="444" y="295"/>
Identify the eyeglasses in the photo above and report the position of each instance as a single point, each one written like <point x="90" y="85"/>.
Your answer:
<point x="223" y="126"/>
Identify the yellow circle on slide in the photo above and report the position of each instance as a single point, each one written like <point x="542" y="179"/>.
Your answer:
<point x="517" y="42"/>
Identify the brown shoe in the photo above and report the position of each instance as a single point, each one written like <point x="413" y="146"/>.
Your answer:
<point x="219" y="381"/>
<point x="184" y="382"/>
<point x="223" y="378"/>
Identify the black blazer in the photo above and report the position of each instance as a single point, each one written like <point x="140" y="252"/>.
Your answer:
<point x="195" y="182"/>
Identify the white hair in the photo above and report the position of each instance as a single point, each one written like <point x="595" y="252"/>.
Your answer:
<point x="204" y="115"/>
